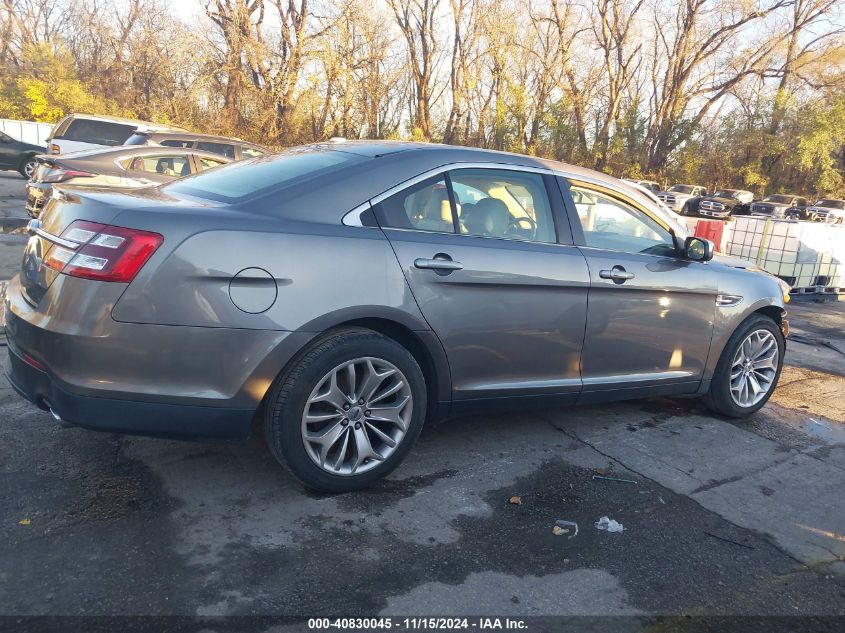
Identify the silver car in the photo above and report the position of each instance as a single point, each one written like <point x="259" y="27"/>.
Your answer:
<point x="119" y="167"/>
<point x="342" y="295"/>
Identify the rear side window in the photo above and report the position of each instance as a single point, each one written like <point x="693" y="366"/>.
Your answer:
<point x="137" y="139"/>
<point x="422" y="207"/>
<point x="97" y="132"/>
<point x="243" y="179"/>
<point x="217" y="148"/>
<point x="175" y="142"/>
<point x="162" y="165"/>
<point x="207" y="163"/>
<point x="251" y="152"/>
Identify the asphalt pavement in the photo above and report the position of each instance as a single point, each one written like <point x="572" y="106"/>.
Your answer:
<point x="720" y="517"/>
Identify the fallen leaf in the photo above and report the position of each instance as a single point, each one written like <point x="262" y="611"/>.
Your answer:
<point x="24" y="522"/>
<point x="557" y="530"/>
<point x="515" y="500"/>
<point x="601" y="471"/>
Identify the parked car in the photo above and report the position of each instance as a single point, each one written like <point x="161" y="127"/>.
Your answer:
<point x="648" y="184"/>
<point x="123" y="167"/>
<point x="17" y="155"/>
<point x="232" y="148"/>
<point x="76" y="132"/>
<point x="676" y="197"/>
<point x="825" y="210"/>
<point x="722" y="203"/>
<point x="347" y="294"/>
<point x="777" y="205"/>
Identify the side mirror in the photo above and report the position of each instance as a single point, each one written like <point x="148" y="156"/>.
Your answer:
<point x="698" y="249"/>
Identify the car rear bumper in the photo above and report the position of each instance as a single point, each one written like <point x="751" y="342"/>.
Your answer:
<point x="161" y="380"/>
<point x="114" y="415"/>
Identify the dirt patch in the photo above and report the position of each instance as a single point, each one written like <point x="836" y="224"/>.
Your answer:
<point x="817" y="394"/>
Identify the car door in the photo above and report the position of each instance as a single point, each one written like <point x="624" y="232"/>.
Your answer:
<point x="8" y="152"/>
<point x="650" y="315"/>
<point x="496" y="277"/>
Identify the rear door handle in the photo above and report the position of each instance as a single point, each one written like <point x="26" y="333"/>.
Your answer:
<point x="438" y="262"/>
<point x="617" y="274"/>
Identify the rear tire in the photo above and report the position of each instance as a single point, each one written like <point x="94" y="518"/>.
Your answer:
<point x="343" y="411"/>
<point x="733" y="363"/>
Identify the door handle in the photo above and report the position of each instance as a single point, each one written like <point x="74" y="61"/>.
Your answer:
<point x="438" y="263"/>
<point x="618" y="274"/>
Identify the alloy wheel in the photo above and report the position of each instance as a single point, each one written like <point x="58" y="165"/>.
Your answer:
<point x="754" y="368"/>
<point x="29" y="168"/>
<point x="357" y="416"/>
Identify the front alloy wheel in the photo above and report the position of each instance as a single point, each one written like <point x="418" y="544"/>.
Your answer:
<point x="754" y="368"/>
<point x="357" y="415"/>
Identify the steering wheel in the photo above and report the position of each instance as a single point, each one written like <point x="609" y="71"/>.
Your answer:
<point x="516" y="224"/>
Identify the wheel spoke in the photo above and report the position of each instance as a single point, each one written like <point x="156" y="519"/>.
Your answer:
<point x="363" y="448"/>
<point x="326" y="439"/>
<point x="331" y="393"/>
<point x="372" y="380"/>
<point x="388" y="392"/>
<point x="341" y="455"/>
<point x="390" y="413"/>
<point x="382" y="435"/>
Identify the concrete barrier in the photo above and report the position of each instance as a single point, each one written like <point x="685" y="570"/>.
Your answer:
<point x="27" y="131"/>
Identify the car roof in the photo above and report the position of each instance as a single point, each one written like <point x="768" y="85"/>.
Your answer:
<point x="366" y="179"/>
<point x="162" y="127"/>
<point x="194" y="135"/>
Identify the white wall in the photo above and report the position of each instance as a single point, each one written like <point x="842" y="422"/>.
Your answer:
<point x="27" y="131"/>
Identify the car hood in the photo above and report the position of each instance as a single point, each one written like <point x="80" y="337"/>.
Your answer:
<point x="725" y="201"/>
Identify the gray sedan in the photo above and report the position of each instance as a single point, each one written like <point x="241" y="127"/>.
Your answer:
<point x="343" y="295"/>
<point x="121" y="167"/>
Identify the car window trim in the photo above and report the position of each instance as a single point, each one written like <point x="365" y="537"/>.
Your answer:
<point x="575" y="220"/>
<point x="563" y="232"/>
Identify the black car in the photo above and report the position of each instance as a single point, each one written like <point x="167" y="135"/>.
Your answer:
<point x="777" y="205"/>
<point x="722" y="203"/>
<point x="18" y="156"/>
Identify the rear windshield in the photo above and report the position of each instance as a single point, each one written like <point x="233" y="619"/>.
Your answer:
<point x="831" y="204"/>
<point x="248" y="178"/>
<point x="137" y="139"/>
<point x="97" y="132"/>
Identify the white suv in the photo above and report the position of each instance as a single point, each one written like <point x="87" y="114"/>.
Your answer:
<point x="88" y="131"/>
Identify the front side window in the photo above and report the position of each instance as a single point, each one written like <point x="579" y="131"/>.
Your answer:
<point x="504" y="204"/>
<point x="614" y="225"/>
<point x="423" y="207"/>
<point x="162" y="165"/>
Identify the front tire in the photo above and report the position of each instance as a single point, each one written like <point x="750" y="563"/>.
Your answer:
<point x="28" y="166"/>
<point x="748" y="369"/>
<point x="348" y="410"/>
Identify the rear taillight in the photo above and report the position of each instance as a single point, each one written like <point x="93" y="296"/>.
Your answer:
<point x="104" y="253"/>
<point x="54" y="149"/>
<point x="59" y="174"/>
